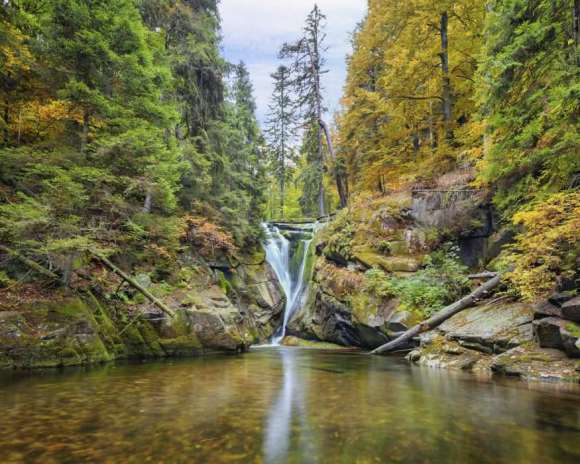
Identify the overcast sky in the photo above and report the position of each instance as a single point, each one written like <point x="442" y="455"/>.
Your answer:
<point x="254" y="30"/>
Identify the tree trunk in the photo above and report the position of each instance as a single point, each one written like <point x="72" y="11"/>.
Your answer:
<point x="577" y="31"/>
<point x="446" y="80"/>
<point x="28" y="262"/>
<point x="340" y="181"/>
<point x="134" y="284"/>
<point x="148" y="203"/>
<point x="6" y="122"/>
<point x="440" y="317"/>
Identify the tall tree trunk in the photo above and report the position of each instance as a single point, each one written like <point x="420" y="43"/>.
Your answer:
<point x="6" y="122"/>
<point x="340" y="180"/>
<point x="148" y="203"/>
<point x="577" y="31"/>
<point x="446" y="80"/>
<point x="282" y="191"/>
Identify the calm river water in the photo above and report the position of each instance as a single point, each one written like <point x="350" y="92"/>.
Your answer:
<point x="283" y="405"/>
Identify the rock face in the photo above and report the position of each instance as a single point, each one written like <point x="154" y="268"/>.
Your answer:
<point x="391" y="233"/>
<point x="501" y="338"/>
<point x="493" y="328"/>
<point x="213" y="312"/>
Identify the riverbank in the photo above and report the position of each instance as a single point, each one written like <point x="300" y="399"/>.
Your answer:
<point x="388" y="262"/>
<point x="214" y="308"/>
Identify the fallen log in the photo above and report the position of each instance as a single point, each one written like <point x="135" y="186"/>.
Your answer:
<point x="440" y="316"/>
<point x="28" y="262"/>
<point x="162" y="306"/>
<point x="482" y="275"/>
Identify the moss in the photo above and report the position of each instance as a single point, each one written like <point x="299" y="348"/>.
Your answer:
<point x="573" y="329"/>
<point x="224" y="283"/>
<point x="366" y="255"/>
<point x="364" y="306"/>
<point x="299" y="342"/>
<point x="181" y="346"/>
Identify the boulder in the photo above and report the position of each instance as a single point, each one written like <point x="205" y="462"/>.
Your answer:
<point x="560" y="298"/>
<point x="546" y="309"/>
<point x="547" y="332"/>
<point x="493" y="327"/>
<point x="552" y="332"/>
<point x="398" y="321"/>
<point x="571" y="309"/>
<point x="570" y="334"/>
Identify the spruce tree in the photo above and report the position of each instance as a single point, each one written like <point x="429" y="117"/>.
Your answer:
<point x="280" y="130"/>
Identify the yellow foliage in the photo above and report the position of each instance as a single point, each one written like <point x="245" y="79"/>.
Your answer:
<point x="391" y="129"/>
<point x="549" y="245"/>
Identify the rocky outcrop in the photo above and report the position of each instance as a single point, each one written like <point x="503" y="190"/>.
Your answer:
<point x="225" y="309"/>
<point x="556" y="325"/>
<point x="501" y="338"/>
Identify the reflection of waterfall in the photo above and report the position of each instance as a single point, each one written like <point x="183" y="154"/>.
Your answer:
<point x="287" y="431"/>
<point x="288" y="259"/>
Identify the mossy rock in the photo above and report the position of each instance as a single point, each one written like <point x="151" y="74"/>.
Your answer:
<point x="312" y="344"/>
<point x="181" y="346"/>
<point x="369" y="258"/>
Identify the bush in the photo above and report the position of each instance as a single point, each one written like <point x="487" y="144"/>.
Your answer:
<point x="442" y="281"/>
<point x="339" y="236"/>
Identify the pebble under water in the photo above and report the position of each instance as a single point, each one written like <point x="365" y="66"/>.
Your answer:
<point x="283" y="405"/>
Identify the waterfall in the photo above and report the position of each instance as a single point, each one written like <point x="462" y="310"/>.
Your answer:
<point x="281" y="253"/>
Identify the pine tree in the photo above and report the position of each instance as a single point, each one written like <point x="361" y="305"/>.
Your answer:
<point x="280" y="130"/>
<point x="308" y="66"/>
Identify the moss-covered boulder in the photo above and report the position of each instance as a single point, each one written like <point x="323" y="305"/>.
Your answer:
<point x="56" y="333"/>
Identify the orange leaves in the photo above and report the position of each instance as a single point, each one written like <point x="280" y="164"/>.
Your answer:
<point x="210" y="239"/>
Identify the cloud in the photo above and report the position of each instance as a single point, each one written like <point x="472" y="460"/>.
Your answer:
<point x="254" y="30"/>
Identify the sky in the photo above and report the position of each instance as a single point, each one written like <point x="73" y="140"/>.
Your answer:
<point x="254" y="30"/>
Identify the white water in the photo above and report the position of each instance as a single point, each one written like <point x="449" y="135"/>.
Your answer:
<point x="278" y="256"/>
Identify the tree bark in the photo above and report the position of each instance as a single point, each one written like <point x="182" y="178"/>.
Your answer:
<point x="163" y="307"/>
<point x="446" y="80"/>
<point x="440" y="317"/>
<point x="340" y="181"/>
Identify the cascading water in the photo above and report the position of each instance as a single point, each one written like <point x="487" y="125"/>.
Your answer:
<point x="281" y="254"/>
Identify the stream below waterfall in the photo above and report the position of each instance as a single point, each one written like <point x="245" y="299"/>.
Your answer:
<point x="283" y="405"/>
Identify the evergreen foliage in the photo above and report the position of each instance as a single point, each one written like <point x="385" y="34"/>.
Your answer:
<point x="118" y="124"/>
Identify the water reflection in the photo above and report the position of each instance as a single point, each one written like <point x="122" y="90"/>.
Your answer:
<point x="288" y="414"/>
<point x="284" y="406"/>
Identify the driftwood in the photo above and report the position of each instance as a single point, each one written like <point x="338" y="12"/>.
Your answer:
<point x="28" y="262"/>
<point x="162" y="306"/>
<point x="482" y="275"/>
<point x="440" y="316"/>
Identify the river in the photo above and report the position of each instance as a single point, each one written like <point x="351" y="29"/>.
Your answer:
<point x="283" y="405"/>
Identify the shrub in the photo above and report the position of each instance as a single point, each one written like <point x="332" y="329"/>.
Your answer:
<point x="442" y="281"/>
<point x="339" y="236"/>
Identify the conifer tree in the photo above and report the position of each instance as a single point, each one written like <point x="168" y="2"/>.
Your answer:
<point x="280" y="130"/>
<point x="308" y="66"/>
